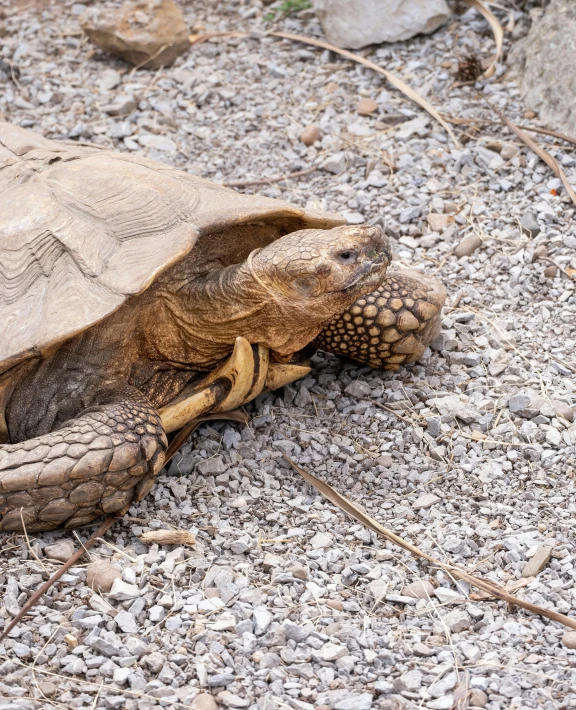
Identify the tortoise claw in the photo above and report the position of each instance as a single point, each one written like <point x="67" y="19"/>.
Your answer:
<point x="280" y="374"/>
<point x="237" y="381"/>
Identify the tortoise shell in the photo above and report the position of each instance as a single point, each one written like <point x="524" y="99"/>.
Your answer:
<point x="82" y="229"/>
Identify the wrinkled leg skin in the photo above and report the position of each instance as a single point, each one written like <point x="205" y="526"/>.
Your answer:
<point x="391" y="326"/>
<point x="95" y="465"/>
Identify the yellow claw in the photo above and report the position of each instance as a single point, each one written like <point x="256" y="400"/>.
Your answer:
<point x="237" y="381"/>
<point x="280" y="374"/>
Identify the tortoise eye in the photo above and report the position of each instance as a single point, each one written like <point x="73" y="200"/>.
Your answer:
<point x="347" y="256"/>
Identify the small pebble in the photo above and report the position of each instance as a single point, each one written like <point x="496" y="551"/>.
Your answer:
<point x="204" y="702"/>
<point x="61" y="551"/>
<point x="477" y="698"/>
<point x="569" y="639"/>
<point x="335" y="604"/>
<point x="100" y="576"/>
<point x="540" y="252"/>
<point x="47" y="688"/>
<point x="422" y="589"/>
<point x="551" y="271"/>
<point x="468" y="246"/>
<point x="366" y="107"/>
<point x="563" y="410"/>
<point x="439" y="222"/>
<point x="425" y="501"/>
<point x="310" y="135"/>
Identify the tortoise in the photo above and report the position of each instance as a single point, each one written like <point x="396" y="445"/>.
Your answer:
<point x="135" y="297"/>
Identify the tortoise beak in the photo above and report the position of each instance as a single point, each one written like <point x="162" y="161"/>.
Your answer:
<point x="374" y="258"/>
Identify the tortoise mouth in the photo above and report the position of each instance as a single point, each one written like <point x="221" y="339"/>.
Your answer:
<point x="369" y="275"/>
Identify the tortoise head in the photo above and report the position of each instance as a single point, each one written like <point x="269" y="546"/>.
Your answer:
<point x="314" y="274"/>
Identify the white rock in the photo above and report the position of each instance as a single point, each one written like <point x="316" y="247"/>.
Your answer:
<point x="126" y="622"/>
<point x="445" y="702"/>
<point x="442" y="686"/>
<point x="354" y="217"/>
<point x="121" y="591"/>
<point x="425" y="501"/>
<point x="410" y="680"/>
<point x="452" y="405"/>
<point x="210" y="604"/>
<point x="383" y="686"/>
<point x="330" y="652"/>
<point x="262" y="620"/>
<point x="231" y="700"/>
<point x="449" y="596"/>
<point x="109" y="80"/>
<point x="362" y="701"/>
<point x="149" y="140"/>
<point x="321" y="539"/>
<point x="378" y="589"/>
<point x="472" y="652"/>
<point x="224" y="623"/>
<point x="156" y="613"/>
<point x="363" y="22"/>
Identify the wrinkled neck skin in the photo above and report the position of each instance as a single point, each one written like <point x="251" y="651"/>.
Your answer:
<point x="210" y="311"/>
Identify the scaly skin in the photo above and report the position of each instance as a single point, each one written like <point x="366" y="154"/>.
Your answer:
<point x="96" y="465"/>
<point x="85" y="435"/>
<point x="390" y="327"/>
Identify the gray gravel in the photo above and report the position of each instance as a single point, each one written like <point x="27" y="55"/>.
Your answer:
<point x="283" y="602"/>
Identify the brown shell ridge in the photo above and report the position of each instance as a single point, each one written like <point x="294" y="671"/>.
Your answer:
<point x="83" y="229"/>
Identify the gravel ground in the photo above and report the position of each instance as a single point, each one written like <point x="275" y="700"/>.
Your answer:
<point x="283" y="602"/>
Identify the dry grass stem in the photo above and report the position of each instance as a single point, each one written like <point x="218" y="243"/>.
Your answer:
<point x="396" y="82"/>
<point x="497" y="30"/>
<point x="540" y="152"/>
<point x="266" y="181"/>
<point x="355" y="512"/>
<point x="533" y="129"/>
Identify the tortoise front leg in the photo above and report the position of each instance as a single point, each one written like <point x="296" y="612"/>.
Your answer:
<point x="94" y="465"/>
<point x="391" y="326"/>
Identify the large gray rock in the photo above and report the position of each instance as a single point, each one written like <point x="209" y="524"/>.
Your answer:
<point x="537" y="63"/>
<point x="363" y="22"/>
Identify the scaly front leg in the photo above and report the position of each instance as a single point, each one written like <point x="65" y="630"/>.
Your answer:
<point x="391" y="326"/>
<point x="96" y="464"/>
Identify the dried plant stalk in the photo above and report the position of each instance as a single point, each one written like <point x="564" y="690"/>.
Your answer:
<point x="540" y="152"/>
<point x="393" y="79"/>
<point x="358" y="514"/>
<point x="497" y="30"/>
<point x="168" y="537"/>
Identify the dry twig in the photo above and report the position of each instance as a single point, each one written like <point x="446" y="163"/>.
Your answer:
<point x="181" y="436"/>
<point x="393" y="79"/>
<point x="39" y="593"/>
<point x="266" y="181"/>
<point x="168" y="537"/>
<point x="540" y="152"/>
<point x="532" y="129"/>
<point x="358" y="514"/>
<point x="496" y="29"/>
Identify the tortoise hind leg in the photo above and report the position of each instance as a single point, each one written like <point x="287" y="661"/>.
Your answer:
<point x="96" y="464"/>
<point x="391" y="326"/>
